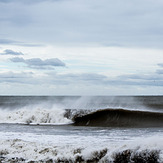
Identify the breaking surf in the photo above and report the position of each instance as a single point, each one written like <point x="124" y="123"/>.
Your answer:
<point x="81" y="129"/>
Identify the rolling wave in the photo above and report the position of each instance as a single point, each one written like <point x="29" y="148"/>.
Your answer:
<point x="120" y="118"/>
<point x="103" y="117"/>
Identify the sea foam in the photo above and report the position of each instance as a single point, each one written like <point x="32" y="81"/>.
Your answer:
<point x="34" y="116"/>
<point x="32" y="147"/>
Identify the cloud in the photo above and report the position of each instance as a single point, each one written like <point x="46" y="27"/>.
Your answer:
<point x="8" y="41"/>
<point x="102" y="80"/>
<point x="160" y="64"/>
<point x="141" y="77"/>
<point x="52" y="78"/>
<point x="152" y="79"/>
<point x="108" y="23"/>
<point x="11" y="52"/>
<point x="22" y="1"/>
<point x="80" y="80"/>
<point x="38" y="63"/>
<point x="160" y="71"/>
<point x="15" y="77"/>
<point x="19" y="43"/>
<point x="87" y="77"/>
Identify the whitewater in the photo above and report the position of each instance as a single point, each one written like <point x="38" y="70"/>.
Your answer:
<point x="81" y="129"/>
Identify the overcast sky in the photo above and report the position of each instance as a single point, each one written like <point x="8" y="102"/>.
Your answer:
<point x="81" y="47"/>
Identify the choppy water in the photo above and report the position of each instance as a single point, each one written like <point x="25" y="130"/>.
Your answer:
<point x="46" y="129"/>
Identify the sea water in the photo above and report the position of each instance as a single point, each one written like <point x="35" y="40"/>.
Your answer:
<point x="42" y="129"/>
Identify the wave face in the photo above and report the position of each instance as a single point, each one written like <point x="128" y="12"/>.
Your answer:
<point x="120" y="118"/>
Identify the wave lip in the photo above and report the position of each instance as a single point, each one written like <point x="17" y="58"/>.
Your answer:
<point x="120" y="118"/>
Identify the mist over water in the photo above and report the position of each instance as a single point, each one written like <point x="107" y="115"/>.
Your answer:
<point x="83" y="102"/>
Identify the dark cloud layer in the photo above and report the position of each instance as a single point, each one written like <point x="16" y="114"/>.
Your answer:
<point x="11" y="52"/>
<point x="39" y="63"/>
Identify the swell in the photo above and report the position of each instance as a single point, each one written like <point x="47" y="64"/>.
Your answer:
<point x="120" y="118"/>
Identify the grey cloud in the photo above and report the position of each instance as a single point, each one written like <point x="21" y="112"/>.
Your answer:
<point x="39" y="63"/>
<point x="85" y="77"/>
<point x="11" y="52"/>
<point x="141" y="77"/>
<point x="160" y="71"/>
<point x="11" y="74"/>
<point x="136" y="83"/>
<point x="19" y="43"/>
<point x="8" y="41"/>
<point x="24" y="1"/>
<point x="22" y="77"/>
<point x="79" y="79"/>
<point x="17" y="59"/>
<point x="160" y="64"/>
<point x="52" y="78"/>
<point x="94" y="79"/>
<point x="139" y="80"/>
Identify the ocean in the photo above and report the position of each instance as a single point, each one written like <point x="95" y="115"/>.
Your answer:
<point x="106" y="129"/>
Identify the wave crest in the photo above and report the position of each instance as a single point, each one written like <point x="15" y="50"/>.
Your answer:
<point x="34" y="116"/>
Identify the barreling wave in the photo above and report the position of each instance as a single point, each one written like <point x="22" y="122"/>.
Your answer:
<point x="120" y="118"/>
<point x="103" y="117"/>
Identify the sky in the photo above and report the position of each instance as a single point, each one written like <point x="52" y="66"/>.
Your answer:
<point x="81" y="47"/>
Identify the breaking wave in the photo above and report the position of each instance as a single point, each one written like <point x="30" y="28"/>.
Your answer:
<point x="120" y="118"/>
<point x="34" y="116"/>
<point x="103" y="117"/>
